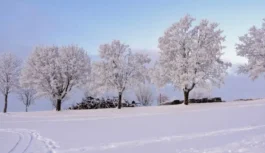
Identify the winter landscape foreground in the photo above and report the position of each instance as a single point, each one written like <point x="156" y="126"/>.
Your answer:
<point x="230" y="127"/>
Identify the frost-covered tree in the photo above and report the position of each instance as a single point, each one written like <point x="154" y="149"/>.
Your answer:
<point x="144" y="94"/>
<point x="190" y="56"/>
<point x="9" y="73"/>
<point x="92" y="86"/>
<point x="119" y="68"/>
<point x="162" y="98"/>
<point x="53" y="71"/>
<point x="252" y="47"/>
<point x="27" y="96"/>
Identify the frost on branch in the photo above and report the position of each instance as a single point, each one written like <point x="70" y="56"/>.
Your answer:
<point x="9" y="73"/>
<point x="53" y="71"/>
<point x="119" y="68"/>
<point x="252" y="47"/>
<point x="190" y="56"/>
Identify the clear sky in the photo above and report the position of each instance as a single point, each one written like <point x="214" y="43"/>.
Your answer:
<point x="139" y="23"/>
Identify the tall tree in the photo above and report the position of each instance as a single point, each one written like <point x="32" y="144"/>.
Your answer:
<point x="190" y="56"/>
<point x="27" y="96"/>
<point x="9" y="73"/>
<point x="252" y="47"/>
<point x="53" y="71"/>
<point x="119" y="68"/>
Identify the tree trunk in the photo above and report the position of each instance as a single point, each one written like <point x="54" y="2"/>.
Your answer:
<point x="26" y="108"/>
<point x="160" y="99"/>
<point x="58" y="105"/>
<point x="5" y="106"/>
<point x="120" y="97"/>
<point x="186" y="97"/>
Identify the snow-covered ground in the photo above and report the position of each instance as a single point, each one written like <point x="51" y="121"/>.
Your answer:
<point x="231" y="127"/>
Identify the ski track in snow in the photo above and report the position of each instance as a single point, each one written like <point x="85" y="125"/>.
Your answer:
<point x="250" y="145"/>
<point x="136" y="143"/>
<point x="26" y="138"/>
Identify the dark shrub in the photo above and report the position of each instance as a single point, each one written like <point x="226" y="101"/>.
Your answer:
<point x="204" y="100"/>
<point x="211" y="100"/>
<point x="92" y="103"/>
<point x="217" y="99"/>
<point x="192" y="100"/>
<point x="198" y="101"/>
<point x="175" y="102"/>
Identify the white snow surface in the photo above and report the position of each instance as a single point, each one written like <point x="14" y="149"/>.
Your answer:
<point x="230" y="127"/>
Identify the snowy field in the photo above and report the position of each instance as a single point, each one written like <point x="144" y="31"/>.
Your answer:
<point x="232" y="127"/>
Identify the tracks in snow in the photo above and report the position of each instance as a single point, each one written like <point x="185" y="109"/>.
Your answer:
<point x="26" y="139"/>
<point x="136" y="143"/>
<point x="29" y="138"/>
<point x="247" y="145"/>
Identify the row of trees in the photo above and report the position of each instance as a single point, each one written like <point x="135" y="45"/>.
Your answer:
<point x="190" y="57"/>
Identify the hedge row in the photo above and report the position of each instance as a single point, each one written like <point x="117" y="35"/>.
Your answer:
<point x="206" y="100"/>
<point x="203" y="100"/>
<point x="96" y="103"/>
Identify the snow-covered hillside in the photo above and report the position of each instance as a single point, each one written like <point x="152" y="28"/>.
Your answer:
<point x="231" y="127"/>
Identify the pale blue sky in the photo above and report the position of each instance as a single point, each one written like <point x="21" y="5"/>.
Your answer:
<point x="139" y="23"/>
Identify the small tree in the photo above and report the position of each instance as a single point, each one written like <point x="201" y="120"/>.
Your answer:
<point x="27" y="96"/>
<point x="92" y="86"/>
<point x="252" y="47"/>
<point x="9" y="73"/>
<point x="119" y="68"/>
<point x="144" y="94"/>
<point x="53" y="71"/>
<point x="162" y="98"/>
<point x="190" y="56"/>
<point x="53" y="102"/>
